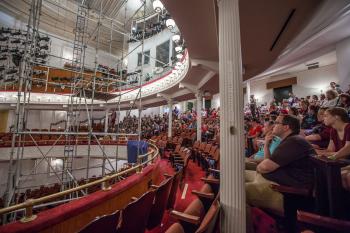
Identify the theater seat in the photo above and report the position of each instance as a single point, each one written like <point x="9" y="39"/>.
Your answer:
<point x="191" y="220"/>
<point x="160" y="203"/>
<point x="135" y="215"/>
<point x="173" y="190"/>
<point x="105" y="224"/>
<point x="324" y="224"/>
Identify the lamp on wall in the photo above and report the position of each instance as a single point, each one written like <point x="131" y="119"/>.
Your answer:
<point x="158" y="6"/>
<point x="176" y="38"/>
<point x="179" y="56"/>
<point x="170" y="23"/>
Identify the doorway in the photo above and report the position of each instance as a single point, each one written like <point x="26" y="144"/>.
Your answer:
<point x="282" y="93"/>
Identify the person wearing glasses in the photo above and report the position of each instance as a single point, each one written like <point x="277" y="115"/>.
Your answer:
<point x="288" y="165"/>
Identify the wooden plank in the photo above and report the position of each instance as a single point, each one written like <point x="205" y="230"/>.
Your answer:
<point x="282" y="83"/>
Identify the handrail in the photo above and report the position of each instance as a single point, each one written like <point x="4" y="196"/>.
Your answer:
<point x="28" y="204"/>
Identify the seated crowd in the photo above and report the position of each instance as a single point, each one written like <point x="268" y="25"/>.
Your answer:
<point x="281" y="142"/>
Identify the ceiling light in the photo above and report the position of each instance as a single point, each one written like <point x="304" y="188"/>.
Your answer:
<point x="170" y="23"/>
<point x="178" y="49"/>
<point x="158" y="6"/>
<point x="179" y="56"/>
<point x="176" y="38"/>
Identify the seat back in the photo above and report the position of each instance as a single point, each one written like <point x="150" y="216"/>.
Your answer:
<point x="159" y="204"/>
<point x="213" y="150"/>
<point x="207" y="148"/>
<point x="173" y="190"/>
<point x="202" y="146"/>
<point x="196" y="144"/>
<point x="177" y="148"/>
<point x="136" y="214"/>
<point x="210" y="219"/>
<point x="106" y="224"/>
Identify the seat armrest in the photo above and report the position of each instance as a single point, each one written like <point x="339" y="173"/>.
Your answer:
<point x="322" y="221"/>
<point x="209" y="196"/>
<point x="214" y="170"/>
<point x="291" y="190"/>
<point x="154" y="186"/>
<point x="185" y="217"/>
<point x="210" y="180"/>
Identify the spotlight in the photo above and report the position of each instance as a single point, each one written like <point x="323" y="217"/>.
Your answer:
<point x="170" y="23"/>
<point x="176" y="38"/>
<point x="158" y="6"/>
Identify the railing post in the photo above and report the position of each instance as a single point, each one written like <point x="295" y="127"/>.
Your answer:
<point x="29" y="216"/>
<point x="105" y="184"/>
<point x="139" y="162"/>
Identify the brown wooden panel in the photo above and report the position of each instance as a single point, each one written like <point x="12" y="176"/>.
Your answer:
<point x="281" y="83"/>
<point x="109" y="206"/>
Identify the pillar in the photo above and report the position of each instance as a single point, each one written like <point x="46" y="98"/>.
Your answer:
<point x="232" y="186"/>
<point x="106" y="120"/>
<point x="199" y="115"/>
<point x="170" y="118"/>
<point x="248" y="92"/>
<point x="343" y="61"/>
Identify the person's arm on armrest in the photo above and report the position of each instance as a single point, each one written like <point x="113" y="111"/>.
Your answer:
<point x="313" y="137"/>
<point x="267" y="166"/>
<point x="327" y="152"/>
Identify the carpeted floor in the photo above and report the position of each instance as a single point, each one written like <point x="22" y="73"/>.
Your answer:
<point x="191" y="181"/>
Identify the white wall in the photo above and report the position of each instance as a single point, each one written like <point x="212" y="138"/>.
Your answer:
<point x="308" y="83"/>
<point x="150" y="44"/>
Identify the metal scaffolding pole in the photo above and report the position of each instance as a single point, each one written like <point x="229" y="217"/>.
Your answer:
<point x="91" y="123"/>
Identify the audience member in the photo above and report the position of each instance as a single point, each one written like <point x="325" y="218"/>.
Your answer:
<point x="339" y="144"/>
<point x="287" y="165"/>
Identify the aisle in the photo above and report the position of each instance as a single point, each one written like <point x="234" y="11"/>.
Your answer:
<point x="184" y="196"/>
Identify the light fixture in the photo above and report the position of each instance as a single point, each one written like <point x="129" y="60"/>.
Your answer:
<point x="170" y="23"/>
<point x="178" y="63"/>
<point x="158" y="6"/>
<point x="179" y="56"/>
<point x="178" y="49"/>
<point x="176" y="38"/>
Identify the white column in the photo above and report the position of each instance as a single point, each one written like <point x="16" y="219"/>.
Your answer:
<point x="106" y="120"/>
<point x="170" y="118"/>
<point x="248" y="92"/>
<point x="199" y="115"/>
<point x="343" y="61"/>
<point x="232" y="186"/>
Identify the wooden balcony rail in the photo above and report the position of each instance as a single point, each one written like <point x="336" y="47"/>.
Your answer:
<point x="104" y="182"/>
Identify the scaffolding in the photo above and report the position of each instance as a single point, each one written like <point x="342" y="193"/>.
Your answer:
<point x="83" y="91"/>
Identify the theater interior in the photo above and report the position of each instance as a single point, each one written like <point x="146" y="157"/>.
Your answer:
<point x="174" y="116"/>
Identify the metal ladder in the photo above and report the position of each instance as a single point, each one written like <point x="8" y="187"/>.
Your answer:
<point x="68" y="180"/>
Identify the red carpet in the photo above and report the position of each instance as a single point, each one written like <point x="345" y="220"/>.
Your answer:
<point x="193" y="176"/>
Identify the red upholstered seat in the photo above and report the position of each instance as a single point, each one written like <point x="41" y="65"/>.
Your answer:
<point x="105" y="224"/>
<point x="136" y="214"/>
<point x="160" y="203"/>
